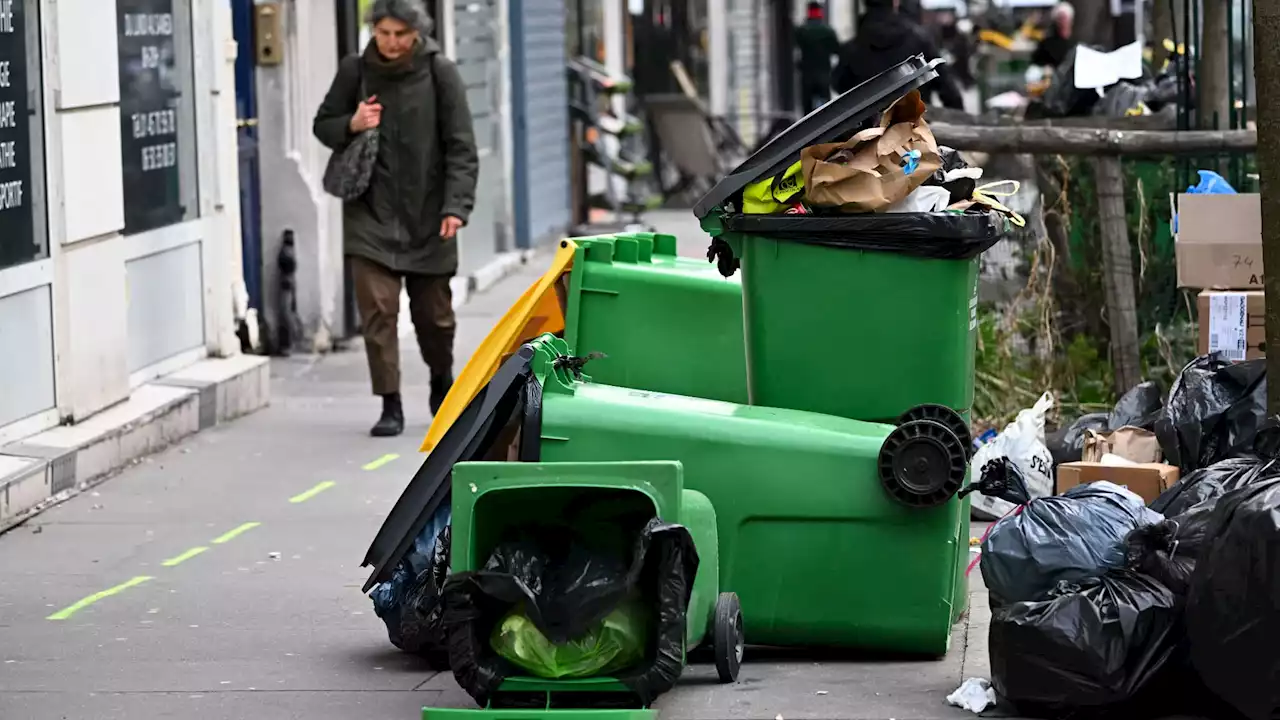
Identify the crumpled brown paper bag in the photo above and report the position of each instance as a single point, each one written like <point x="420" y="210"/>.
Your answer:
<point x="873" y="179"/>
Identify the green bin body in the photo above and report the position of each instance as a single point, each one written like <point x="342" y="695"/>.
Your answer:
<point x="627" y="289"/>
<point x="818" y="552"/>
<point x="893" y="331"/>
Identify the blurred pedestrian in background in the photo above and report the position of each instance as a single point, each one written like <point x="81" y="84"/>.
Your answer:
<point x="885" y="38"/>
<point x="818" y="47"/>
<point x="402" y="232"/>
<point x="1053" y="49"/>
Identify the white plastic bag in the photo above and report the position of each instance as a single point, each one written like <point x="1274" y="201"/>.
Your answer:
<point x="926" y="198"/>
<point x="1023" y="443"/>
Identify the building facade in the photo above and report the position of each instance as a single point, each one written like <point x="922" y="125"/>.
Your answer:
<point x="119" y="209"/>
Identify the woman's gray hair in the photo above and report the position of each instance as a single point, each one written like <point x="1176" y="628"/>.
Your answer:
<point x="409" y="12"/>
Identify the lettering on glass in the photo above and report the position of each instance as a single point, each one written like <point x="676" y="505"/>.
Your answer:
<point x="18" y="240"/>
<point x="150" y="96"/>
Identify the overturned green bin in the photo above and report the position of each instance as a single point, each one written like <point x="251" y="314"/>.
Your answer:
<point x="832" y="532"/>
<point x="638" y="542"/>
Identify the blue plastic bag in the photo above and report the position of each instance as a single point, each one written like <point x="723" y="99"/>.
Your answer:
<point x="1211" y="183"/>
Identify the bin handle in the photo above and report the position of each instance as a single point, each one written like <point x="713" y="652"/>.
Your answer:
<point x="987" y="194"/>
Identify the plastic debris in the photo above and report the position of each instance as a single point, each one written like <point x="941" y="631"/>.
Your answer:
<point x="974" y="695"/>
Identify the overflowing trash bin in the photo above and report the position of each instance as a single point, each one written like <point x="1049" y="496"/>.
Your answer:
<point x="851" y="308"/>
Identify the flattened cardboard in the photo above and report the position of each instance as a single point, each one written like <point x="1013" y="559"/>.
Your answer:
<point x="1255" y="331"/>
<point x="1219" y="241"/>
<point x="1147" y="480"/>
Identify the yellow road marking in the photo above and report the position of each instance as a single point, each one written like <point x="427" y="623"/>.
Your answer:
<point x="234" y="533"/>
<point x="70" y="610"/>
<point x="389" y="457"/>
<point x="174" y="561"/>
<point x="308" y="494"/>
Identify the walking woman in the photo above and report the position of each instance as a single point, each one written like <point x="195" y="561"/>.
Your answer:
<point x="403" y="230"/>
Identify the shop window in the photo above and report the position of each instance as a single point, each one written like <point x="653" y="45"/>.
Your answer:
<point x="157" y="113"/>
<point x="23" y="230"/>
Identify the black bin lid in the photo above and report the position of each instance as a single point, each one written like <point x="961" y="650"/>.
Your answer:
<point x="835" y="120"/>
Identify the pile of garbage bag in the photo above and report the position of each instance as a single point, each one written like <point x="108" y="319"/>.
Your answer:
<point x="1154" y="91"/>
<point x="562" y="604"/>
<point x="1102" y="607"/>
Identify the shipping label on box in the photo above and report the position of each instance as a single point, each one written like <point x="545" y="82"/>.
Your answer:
<point x="1219" y="241"/>
<point x="1233" y="323"/>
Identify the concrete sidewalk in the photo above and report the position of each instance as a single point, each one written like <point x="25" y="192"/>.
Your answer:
<point x="219" y="579"/>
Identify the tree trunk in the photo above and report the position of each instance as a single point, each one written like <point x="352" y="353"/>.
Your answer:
<point x="1266" y="49"/>
<point x="1122" y="303"/>
<point x="1215" y="92"/>
<point x="1094" y="24"/>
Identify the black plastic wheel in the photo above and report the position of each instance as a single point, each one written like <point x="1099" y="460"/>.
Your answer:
<point x="945" y="415"/>
<point x="922" y="463"/>
<point x="728" y="639"/>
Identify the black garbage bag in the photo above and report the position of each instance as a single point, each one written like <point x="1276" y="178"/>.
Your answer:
<point x="422" y="628"/>
<point x="1067" y="445"/>
<point x="1001" y="478"/>
<point x="1140" y="407"/>
<point x="408" y="603"/>
<point x="1215" y="409"/>
<point x="1168" y="550"/>
<point x="1088" y="647"/>
<point x="1212" y="482"/>
<point x="1232" y="619"/>
<point x="565" y="592"/>
<point x="1070" y="537"/>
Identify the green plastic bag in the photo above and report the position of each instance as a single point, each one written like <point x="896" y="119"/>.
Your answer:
<point x="774" y="194"/>
<point x="614" y="644"/>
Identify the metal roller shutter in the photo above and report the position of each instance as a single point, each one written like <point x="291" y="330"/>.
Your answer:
<point x="540" y="105"/>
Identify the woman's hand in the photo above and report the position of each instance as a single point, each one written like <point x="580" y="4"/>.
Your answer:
<point x="368" y="115"/>
<point x="449" y="227"/>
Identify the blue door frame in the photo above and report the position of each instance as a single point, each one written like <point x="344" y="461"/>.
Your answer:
<point x="242" y="17"/>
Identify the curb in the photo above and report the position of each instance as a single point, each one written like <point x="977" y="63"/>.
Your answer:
<point x="43" y="470"/>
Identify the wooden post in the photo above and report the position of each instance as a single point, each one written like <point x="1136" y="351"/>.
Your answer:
<point x="1122" y="303"/>
<point x="1266" y="52"/>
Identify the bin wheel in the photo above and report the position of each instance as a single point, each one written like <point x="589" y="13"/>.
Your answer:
<point x="728" y="640"/>
<point x="945" y="415"/>
<point x="922" y="464"/>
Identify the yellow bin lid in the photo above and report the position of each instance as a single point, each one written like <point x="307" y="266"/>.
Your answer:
<point x="537" y="311"/>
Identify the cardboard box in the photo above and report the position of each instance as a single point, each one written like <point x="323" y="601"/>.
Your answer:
<point x="1219" y="241"/>
<point x="1131" y="443"/>
<point x="1147" y="480"/>
<point x="1234" y="323"/>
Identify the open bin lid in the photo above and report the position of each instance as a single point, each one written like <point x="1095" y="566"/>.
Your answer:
<point x="834" y="121"/>
<point x="511" y="395"/>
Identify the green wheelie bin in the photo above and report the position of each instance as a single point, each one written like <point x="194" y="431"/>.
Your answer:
<point x="832" y="532"/>
<point x="626" y="288"/>
<point x="606" y="506"/>
<point x="859" y="315"/>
